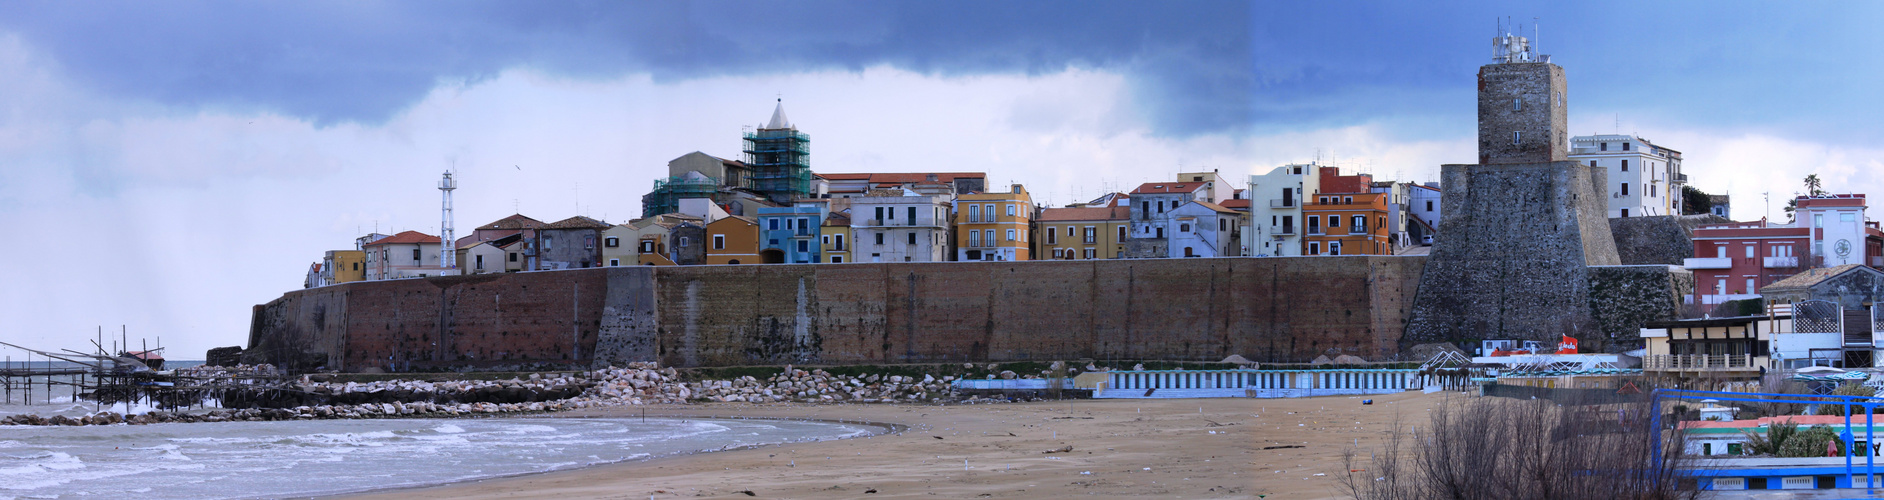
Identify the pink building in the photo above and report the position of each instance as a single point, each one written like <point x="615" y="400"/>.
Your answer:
<point x="1733" y="261"/>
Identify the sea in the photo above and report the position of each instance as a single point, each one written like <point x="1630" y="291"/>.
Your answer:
<point x="304" y="458"/>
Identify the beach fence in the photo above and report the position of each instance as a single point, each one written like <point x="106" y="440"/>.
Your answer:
<point x="1247" y="383"/>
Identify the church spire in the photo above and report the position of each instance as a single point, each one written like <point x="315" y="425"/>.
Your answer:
<point x="778" y="117"/>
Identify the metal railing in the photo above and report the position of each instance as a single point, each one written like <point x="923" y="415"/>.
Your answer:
<point x="1289" y="203"/>
<point x="1699" y="362"/>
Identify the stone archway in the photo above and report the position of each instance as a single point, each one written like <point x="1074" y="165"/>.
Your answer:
<point x="772" y="256"/>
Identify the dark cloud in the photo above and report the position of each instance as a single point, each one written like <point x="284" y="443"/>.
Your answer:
<point x="1195" y="67"/>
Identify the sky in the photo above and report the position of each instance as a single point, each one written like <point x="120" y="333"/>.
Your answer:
<point x="173" y="164"/>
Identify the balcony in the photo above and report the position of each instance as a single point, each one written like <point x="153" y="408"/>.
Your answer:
<point x="1708" y="263"/>
<point x="1782" y="262"/>
<point x="1289" y="203"/>
<point x="1284" y="230"/>
<point x="1700" y="363"/>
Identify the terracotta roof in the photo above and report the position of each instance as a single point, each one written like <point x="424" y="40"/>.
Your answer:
<point x="498" y="242"/>
<point x="1235" y="204"/>
<point x="515" y="221"/>
<point x="837" y="220"/>
<point x="1084" y="214"/>
<point x="577" y="222"/>
<point x="905" y="178"/>
<point x="1813" y="277"/>
<point x="1214" y="206"/>
<point x="408" y="237"/>
<point x="1167" y="187"/>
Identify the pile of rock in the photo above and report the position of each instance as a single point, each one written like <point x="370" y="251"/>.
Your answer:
<point x="640" y="383"/>
<point x="819" y="386"/>
<point x="536" y="388"/>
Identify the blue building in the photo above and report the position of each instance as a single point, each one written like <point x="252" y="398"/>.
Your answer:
<point x="790" y="234"/>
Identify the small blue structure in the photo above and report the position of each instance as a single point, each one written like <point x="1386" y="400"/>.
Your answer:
<point x="789" y="235"/>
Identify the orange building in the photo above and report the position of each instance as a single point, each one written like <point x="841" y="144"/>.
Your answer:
<point x="733" y="240"/>
<point x="1346" y="224"/>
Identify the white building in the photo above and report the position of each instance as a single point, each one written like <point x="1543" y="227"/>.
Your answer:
<point x="1644" y="179"/>
<point x="409" y="254"/>
<point x="906" y="228"/>
<point x="1425" y="208"/>
<point x="1202" y="229"/>
<point x="1275" y="206"/>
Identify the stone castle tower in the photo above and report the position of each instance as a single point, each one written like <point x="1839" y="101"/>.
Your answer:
<point x="1521" y="226"/>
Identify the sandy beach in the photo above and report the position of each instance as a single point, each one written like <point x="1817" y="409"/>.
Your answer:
<point x="1186" y="448"/>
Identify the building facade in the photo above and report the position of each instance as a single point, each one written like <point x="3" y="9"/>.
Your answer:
<point x="791" y="234"/>
<point x="1083" y="233"/>
<point x="1347" y="224"/>
<point x="900" y="226"/>
<point x="1202" y="229"/>
<point x="1276" y="199"/>
<point x="1152" y="204"/>
<point x="572" y="243"/>
<point x="1733" y="261"/>
<point x="1424" y="208"/>
<point x="1644" y="179"/>
<point x="735" y="240"/>
<point x="994" y="226"/>
<point x="409" y="254"/>
<point x="834" y="238"/>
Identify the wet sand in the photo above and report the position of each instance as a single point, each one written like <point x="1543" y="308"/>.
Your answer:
<point x="1120" y="448"/>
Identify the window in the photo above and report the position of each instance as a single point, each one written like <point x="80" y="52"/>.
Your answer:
<point x="614" y="262"/>
<point x="1847" y="217"/>
<point x="1334" y="221"/>
<point x="1184" y="228"/>
<point x="1089" y="254"/>
<point x="719" y="240"/>
<point x="1359" y="225"/>
<point x="825" y="240"/>
<point x="1160" y="233"/>
<point x="588" y="242"/>
<point x="912" y="215"/>
<point x="1625" y="212"/>
<point x="415" y="255"/>
<point x="1145" y="207"/>
<point x="771" y="224"/>
<point x="1288" y="224"/>
<point x="879" y="238"/>
<point x="1603" y="147"/>
<point x="974" y="213"/>
<point x="840" y="243"/>
<point x="880" y="213"/>
<point x="1334" y="248"/>
<point x="837" y="259"/>
<point x="685" y="241"/>
<point x="1053" y="237"/>
<point x="546" y="241"/>
<point x="612" y="242"/>
<point x="1625" y="165"/>
<point x="1429" y="205"/>
<point x="1058" y="253"/>
<point x="1751" y="286"/>
<point x="1516" y="136"/>
<point x="1160" y="206"/>
<point x="1314" y="224"/>
<point x="1652" y="190"/>
<point x="974" y="237"/>
<point x="1720" y="252"/>
<point x="1223" y="224"/>
<point x="646" y="247"/>
<point x="356" y="265"/>
<point x="1314" y="248"/>
<point x="480" y="262"/>
<point x="1625" y="146"/>
<point x="912" y="236"/>
<point x="1625" y="189"/>
<point x="1010" y="235"/>
<point x="1517" y="105"/>
<point x="804" y="226"/>
<point x="1592" y="163"/>
<point x="1121" y="235"/>
<point x="804" y="246"/>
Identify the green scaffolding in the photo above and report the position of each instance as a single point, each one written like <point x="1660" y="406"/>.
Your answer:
<point x="665" y="199"/>
<point x="781" y="163"/>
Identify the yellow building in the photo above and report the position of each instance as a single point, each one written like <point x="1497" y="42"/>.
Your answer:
<point x="1083" y="232"/>
<point x="994" y="226"/>
<point x="733" y="240"/>
<point x="835" y="237"/>
<point x="346" y="266"/>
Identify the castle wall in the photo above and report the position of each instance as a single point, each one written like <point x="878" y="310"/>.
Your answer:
<point x="1276" y="309"/>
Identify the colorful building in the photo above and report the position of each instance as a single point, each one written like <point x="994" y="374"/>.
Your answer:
<point x="1347" y="224"/>
<point x="1087" y="233"/>
<point x="1733" y="261"/>
<point x="835" y="239"/>
<point x="733" y="240"/>
<point x="1152" y="204"/>
<point x="994" y="226"/>
<point x="1276" y="199"/>
<point x="791" y="234"/>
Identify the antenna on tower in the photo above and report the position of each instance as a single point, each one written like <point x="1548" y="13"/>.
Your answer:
<point x="447" y="242"/>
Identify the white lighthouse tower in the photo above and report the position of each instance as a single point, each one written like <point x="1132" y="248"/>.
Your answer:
<point x="447" y="242"/>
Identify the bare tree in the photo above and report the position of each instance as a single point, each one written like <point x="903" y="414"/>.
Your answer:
<point x="1495" y="448"/>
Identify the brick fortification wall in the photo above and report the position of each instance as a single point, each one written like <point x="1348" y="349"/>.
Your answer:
<point x="1271" y="309"/>
<point x="1513" y="259"/>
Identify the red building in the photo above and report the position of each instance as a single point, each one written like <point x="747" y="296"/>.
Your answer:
<point x="1733" y="261"/>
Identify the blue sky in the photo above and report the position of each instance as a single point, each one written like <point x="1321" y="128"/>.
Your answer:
<point x="183" y="161"/>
